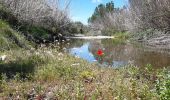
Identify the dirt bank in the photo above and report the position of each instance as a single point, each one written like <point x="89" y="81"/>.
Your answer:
<point x="162" y="41"/>
<point x="156" y="39"/>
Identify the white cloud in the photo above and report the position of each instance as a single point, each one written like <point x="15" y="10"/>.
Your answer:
<point x="96" y="1"/>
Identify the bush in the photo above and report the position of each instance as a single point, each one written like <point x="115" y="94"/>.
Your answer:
<point x="163" y="85"/>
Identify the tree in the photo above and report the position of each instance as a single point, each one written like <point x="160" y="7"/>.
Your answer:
<point x="110" y="6"/>
<point x="43" y="13"/>
<point x="139" y="15"/>
<point x="110" y="17"/>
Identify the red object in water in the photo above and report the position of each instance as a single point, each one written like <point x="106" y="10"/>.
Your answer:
<point x="100" y="52"/>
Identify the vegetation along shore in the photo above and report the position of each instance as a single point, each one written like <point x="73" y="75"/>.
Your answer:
<point x="35" y="65"/>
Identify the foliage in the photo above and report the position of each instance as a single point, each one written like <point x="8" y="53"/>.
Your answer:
<point x="46" y="14"/>
<point x="77" y="28"/>
<point x="101" y="10"/>
<point x="149" y="14"/>
<point x="138" y="16"/>
<point x="39" y="18"/>
<point x="87" y="74"/>
<point x="163" y="85"/>
<point x="40" y="23"/>
<point x="36" y="31"/>
<point x="107" y="17"/>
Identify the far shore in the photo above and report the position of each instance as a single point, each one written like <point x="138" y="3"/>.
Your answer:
<point x="91" y="37"/>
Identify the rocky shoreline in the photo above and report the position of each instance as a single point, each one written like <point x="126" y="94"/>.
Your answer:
<point x="157" y="39"/>
<point x="161" y="42"/>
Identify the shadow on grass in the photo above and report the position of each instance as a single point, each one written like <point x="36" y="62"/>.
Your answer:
<point x="23" y="67"/>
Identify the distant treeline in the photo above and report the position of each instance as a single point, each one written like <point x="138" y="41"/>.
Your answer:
<point x="138" y="15"/>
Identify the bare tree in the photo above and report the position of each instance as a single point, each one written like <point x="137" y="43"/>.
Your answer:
<point x="45" y="13"/>
<point x="139" y="15"/>
<point x="150" y="14"/>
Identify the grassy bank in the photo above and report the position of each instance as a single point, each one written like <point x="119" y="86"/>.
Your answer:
<point x="47" y="73"/>
<point x="11" y="39"/>
<point x="116" y="33"/>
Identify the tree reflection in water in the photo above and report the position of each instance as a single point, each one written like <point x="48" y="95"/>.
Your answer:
<point x="117" y="53"/>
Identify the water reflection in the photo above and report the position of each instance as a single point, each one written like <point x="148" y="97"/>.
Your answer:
<point x="117" y="53"/>
<point x="83" y="52"/>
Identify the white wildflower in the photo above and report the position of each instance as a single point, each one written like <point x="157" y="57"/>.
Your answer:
<point x="60" y="54"/>
<point x="131" y="62"/>
<point x="76" y="64"/>
<point x="137" y="98"/>
<point x="60" y="59"/>
<point x="2" y="58"/>
<point x="49" y="53"/>
<point x="116" y="98"/>
<point x="77" y="56"/>
<point x="18" y="97"/>
<point x="32" y="49"/>
<point x="37" y="53"/>
<point x="49" y="95"/>
<point x="64" y="48"/>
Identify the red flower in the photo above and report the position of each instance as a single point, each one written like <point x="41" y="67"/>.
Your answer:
<point x="100" y="52"/>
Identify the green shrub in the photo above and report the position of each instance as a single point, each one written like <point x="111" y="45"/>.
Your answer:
<point x="38" y="31"/>
<point x="87" y="74"/>
<point x="163" y="85"/>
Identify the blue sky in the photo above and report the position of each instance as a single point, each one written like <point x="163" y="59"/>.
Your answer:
<point x="81" y="10"/>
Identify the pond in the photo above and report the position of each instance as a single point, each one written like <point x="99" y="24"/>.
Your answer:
<point x="118" y="53"/>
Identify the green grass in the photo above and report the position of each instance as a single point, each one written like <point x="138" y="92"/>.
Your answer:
<point x="10" y="39"/>
<point x="119" y="36"/>
<point x="67" y="77"/>
<point x="112" y="31"/>
<point x="122" y="35"/>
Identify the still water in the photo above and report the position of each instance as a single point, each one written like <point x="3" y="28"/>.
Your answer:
<point x="117" y="53"/>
